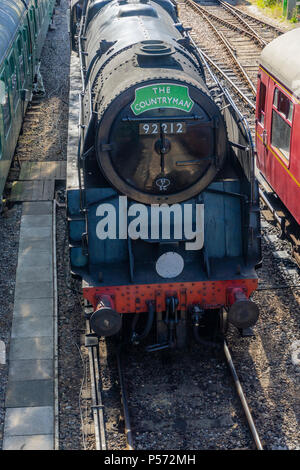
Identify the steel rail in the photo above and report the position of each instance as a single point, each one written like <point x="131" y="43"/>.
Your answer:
<point x="230" y="101"/>
<point x="242" y="398"/>
<point x="198" y="9"/>
<point x="97" y="407"/>
<point x="254" y="18"/>
<point x="269" y="205"/>
<point x="250" y="32"/>
<point x="228" y="79"/>
<point x="126" y="415"/>
<point x="255" y="35"/>
<point x="97" y="404"/>
<point x="128" y="429"/>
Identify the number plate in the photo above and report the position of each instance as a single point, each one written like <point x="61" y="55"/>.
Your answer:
<point x="150" y="128"/>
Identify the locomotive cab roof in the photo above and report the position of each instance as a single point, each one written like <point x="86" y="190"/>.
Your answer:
<point x="281" y="58"/>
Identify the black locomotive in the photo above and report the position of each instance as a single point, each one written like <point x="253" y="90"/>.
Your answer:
<point x="154" y="137"/>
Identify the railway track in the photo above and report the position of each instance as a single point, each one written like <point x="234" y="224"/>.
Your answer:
<point x="262" y="25"/>
<point x="231" y="43"/>
<point x="261" y="31"/>
<point x="97" y="411"/>
<point x="128" y="401"/>
<point x="97" y="408"/>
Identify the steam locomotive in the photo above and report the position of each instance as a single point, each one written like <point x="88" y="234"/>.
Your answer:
<point x="163" y="211"/>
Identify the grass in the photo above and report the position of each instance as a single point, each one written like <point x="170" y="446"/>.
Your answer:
<point x="274" y="9"/>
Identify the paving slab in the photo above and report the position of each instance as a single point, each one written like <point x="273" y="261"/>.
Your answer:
<point x="31" y="348"/>
<point x="32" y="326"/>
<point x="34" y="290"/>
<point x="34" y="273"/>
<point x="36" y="232"/>
<point x="37" y="208"/>
<point x="37" y="442"/>
<point x="35" y="258"/>
<point x="43" y="170"/>
<point x="34" y="245"/>
<point x="30" y="399"/>
<point x="36" y="221"/>
<point x="30" y="369"/>
<point x="29" y="393"/>
<point x="26" y="421"/>
<point x="35" y="190"/>
<point x="33" y="307"/>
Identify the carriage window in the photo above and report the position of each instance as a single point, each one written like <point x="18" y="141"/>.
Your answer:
<point x="281" y="123"/>
<point x="14" y="83"/>
<point x="26" y="44"/>
<point x="262" y="103"/>
<point x="283" y="104"/>
<point x="21" y="61"/>
<point x="5" y="106"/>
<point x="281" y="134"/>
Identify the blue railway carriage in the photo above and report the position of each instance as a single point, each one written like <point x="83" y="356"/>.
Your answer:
<point x="23" y="28"/>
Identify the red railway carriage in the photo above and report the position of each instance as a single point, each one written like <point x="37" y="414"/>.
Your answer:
<point x="278" y="118"/>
